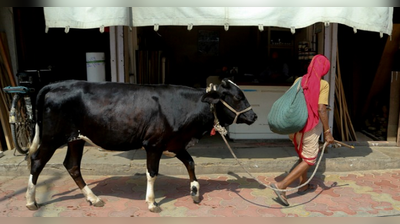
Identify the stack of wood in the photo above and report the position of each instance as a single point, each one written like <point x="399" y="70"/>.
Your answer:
<point x="149" y="67"/>
<point x="342" y="117"/>
<point x="6" y="79"/>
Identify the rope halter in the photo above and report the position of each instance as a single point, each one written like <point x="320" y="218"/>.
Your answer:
<point x="234" y="111"/>
<point x="217" y="126"/>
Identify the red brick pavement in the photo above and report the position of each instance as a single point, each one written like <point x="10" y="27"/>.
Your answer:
<point x="361" y="194"/>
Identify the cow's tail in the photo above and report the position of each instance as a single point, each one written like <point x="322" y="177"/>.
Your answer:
<point x="38" y="127"/>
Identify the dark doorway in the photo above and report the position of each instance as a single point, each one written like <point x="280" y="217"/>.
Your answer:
<point x="64" y="52"/>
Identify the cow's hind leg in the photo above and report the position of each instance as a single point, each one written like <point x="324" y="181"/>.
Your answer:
<point x="38" y="161"/>
<point x="187" y="159"/>
<point x="72" y="163"/>
<point x="153" y="162"/>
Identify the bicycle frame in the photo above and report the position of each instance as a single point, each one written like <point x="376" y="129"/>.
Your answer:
<point x="21" y="114"/>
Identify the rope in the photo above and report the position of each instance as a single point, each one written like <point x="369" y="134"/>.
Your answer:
<point x="275" y="189"/>
<point x="222" y="131"/>
<point x="291" y="189"/>
<point x="234" y="111"/>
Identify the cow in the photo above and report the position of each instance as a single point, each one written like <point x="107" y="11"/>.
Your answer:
<point x="119" y="116"/>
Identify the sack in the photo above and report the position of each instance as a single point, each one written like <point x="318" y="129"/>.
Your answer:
<point x="289" y="113"/>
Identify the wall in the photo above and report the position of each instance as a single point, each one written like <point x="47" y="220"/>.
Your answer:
<point x="190" y="64"/>
<point x="7" y="26"/>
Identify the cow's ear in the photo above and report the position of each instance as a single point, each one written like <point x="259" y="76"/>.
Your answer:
<point x="211" y="97"/>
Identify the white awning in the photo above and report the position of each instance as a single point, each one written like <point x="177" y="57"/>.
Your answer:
<point x="86" y="17"/>
<point x="375" y="19"/>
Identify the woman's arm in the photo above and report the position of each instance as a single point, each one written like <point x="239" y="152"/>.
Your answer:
<point x="323" y="116"/>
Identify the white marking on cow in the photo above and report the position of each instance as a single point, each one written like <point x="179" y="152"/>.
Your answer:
<point x="195" y="184"/>
<point x="169" y="154"/>
<point x="90" y="196"/>
<point x="195" y="191"/>
<point x="30" y="193"/>
<point x="150" y="198"/>
<point x="86" y="139"/>
<point x="35" y="142"/>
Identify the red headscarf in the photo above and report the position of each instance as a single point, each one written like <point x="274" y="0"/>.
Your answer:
<point x="310" y="82"/>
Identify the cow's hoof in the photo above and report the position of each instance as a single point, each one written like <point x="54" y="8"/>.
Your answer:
<point x="195" y="194"/>
<point x="32" y="206"/>
<point x="154" y="208"/>
<point x="99" y="203"/>
<point x="196" y="199"/>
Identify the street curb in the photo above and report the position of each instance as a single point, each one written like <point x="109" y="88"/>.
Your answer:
<point x="215" y="159"/>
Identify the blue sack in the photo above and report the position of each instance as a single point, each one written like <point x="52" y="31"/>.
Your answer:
<point x="289" y="113"/>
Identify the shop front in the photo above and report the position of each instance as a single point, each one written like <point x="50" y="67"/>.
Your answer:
<point x="262" y="49"/>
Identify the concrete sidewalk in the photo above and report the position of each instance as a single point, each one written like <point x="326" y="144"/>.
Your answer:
<point x="212" y="156"/>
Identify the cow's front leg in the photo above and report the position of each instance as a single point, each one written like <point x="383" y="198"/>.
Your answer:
<point x="187" y="159"/>
<point x="153" y="161"/>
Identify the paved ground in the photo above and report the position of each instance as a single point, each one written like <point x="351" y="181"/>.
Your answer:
<point x="359" y="194"/>
<point x="359" y="182"/>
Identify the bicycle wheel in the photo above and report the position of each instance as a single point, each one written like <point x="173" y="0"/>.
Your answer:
<point x="21" y="122"/>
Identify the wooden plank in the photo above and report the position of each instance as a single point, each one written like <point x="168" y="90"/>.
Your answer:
<point x="6" y="79"/>
<point x="345" y="123"/>
<point x="132" y="47"/>
<point x="382" y="75"/>
<point x="4" y="118"/>
<point x="1" y="142"/>
<point x="120" y="54"/>
<point x="113" y="54"/>
<point x="393" y="106"/>
<point x="3" y="37"/>
<point x="4" y="55"/>
<point x="126" y="54"/>
<point x="398" y="133"/>
<point x="330" y="51"/>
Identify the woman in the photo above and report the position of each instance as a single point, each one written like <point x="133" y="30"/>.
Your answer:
<point x="306" y="141"/>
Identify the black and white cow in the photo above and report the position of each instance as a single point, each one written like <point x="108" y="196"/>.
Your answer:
<point x="118" y="116"/>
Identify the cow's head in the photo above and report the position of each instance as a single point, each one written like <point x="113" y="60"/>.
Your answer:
<point x="230" y="103"/>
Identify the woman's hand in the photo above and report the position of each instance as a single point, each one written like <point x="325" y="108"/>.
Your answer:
<point x="328" y="137"/>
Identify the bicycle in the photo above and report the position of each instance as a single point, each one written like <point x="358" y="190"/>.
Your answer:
<point x="22" y="117"/>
